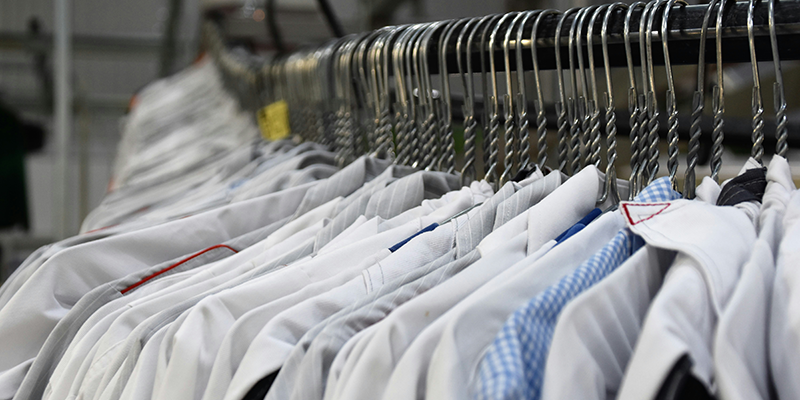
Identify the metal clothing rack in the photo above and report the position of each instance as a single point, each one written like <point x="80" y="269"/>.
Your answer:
<point x="347" y="93"/>
<point x="683" y="40"/>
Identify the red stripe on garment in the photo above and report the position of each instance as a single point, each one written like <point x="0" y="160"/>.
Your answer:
<point x="149" y="277"/>
<point x="99" y="229"/>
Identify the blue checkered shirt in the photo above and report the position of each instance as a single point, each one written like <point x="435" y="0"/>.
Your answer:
<point x="513" y="368"/>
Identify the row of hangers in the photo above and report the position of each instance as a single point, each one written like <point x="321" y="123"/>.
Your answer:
<point x="374" y="92"/>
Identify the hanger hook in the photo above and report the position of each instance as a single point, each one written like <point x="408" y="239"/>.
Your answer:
<point x="757" y="105"/>
<point x="511" y="125"/>
<point x="595" y="103"/>
<point x="468" y="170"/>
<point x="672" y="106"/>
<point x="541" y="119"/>
<point x="522" y="98"/>
<point x="781" y="130"/>
<point x="651" y="101"/>
<point x="431" y="147"/>
<point x="410" y="74"/>
<point x="611" y="191"/>
<point x="447" y="161"/>
<point x="490" y="144"/>
<point x="587" y="105"/>
<point x="698" y="104"/>
<point x="576" y="102"/>
<point x="563" y="105"/>
<point x="403" y="116"/>
<point x="382" y="55"/>
<point x="634" y="106"/>
<point x="494" y="112"/>
<point x="718" y="101"/>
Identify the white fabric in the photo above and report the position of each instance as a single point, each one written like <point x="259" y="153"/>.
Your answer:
<point x="741" y="354"/>
<point x="274" y="342"/>
<point x="203" y="330"/>
<point x="409" y="378"/>
<point x="367" y="377"/>
<point x="198" y="280"/>
<point x="683" y="315"/>
<point x="596" y="332"/>
<point x="784" y="334"/>
<point x="112" y="332"/>
<point x="369" y="367"/>
<point x="35" y="309"/>
<point x="470" y="331"/>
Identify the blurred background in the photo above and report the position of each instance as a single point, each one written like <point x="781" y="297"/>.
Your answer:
<point x="55" y="167"/>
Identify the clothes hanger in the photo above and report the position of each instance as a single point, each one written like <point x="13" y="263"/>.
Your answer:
<point x="594" y="108"/>
<point x="672" y="107"/>
<point x="522" y="98"/>
<point x="586" y="104"/>
<point x="513" y="141"/>
<point x="367" y="91"/>
<point x="415" y="96"/>
<point x="430" y="128"/>
<point x="347" y="142"/>
<point x="379" y="75"/>
<point x="342" y="96"/>
<point x="370" y="67"/>
<point x="403" y="119"/>
<point x="436" y="98"/>
<point x="651" y="101"/>
<point x="758" y="105"/>
<point x="392" y="126"/>
<point x="781" y="130"/>
<point x="611" y="189"/>
<point x="401" y="99"/>
<point x="329" y="92"/>
<point x="698" y="104"/>
<point x="644" y="114"/>
<point x="563" y="104"/>
<point x="541" y="119"/>
<point x="447" y="161"/>
<point x="470" y="141"/>
<point x="718" y="101"/>
<point x="492" y="173"/>
<point x="634" y="105"/>
<point x="489" y="140"/>
<point x="468" y="170"/>
<point x="575" y="101"/>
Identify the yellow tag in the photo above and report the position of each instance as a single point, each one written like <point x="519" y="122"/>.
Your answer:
<point x="273" y="120"/>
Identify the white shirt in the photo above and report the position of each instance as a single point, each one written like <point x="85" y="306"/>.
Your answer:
<point x="111" y="349"/>
<point x="367" y="232"/>
<point x="783" y="333"/>
<point x="454" y="364"/>
<point x="274" y="342"/>
<point x="345" y="182"/>
<point x="215" y="315"/>
<point x="204" y="278"/>
<point x="370" y="365"/>
<point x="408" y="380"/>
<point x="33" y="311"/>
<point x="367" y="372"/>
<point x="683" y="315"/>
<point x="741" y="354"/>
<point x="596" y="332"/>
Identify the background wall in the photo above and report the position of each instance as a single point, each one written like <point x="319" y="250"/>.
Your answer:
<point x="117" y="50"/>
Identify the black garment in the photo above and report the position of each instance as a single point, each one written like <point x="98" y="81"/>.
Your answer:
<point x="749" y="186"/>
<point x="525" y="173"/>
<point x="260" y="389"/>
<point x="681" y="384"/>
<point x="13" y="201"/>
